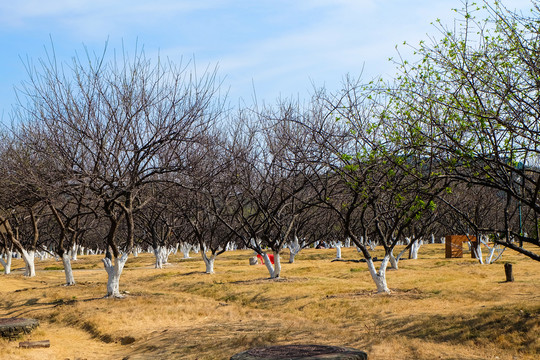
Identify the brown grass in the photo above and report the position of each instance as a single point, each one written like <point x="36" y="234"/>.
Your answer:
<point x="439" y="308"/>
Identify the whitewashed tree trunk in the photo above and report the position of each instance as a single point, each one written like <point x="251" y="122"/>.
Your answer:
<point x="338" y="245"/>
<point x="495" y="249"/>
<point x="114" y="270"/>
<point x="74" y="252"/>
<point x="273" y="270"/>
<point x="209" y="262"/>
<point x="277" y="265"/>
<point x="478" y="250"/>
<point x="292" y="254"/>
<point x="30" y="268"/>
<point x="379" y="277"/>
<point x="494" y="252"/>
<point x="161" y="256"/>
<point x="489" y="258"/>
<point x="347" y="242"/>
<point x="66" y="260"/>
<point x="432" y="239"/>
<point x="294" y="248"/>
<point x="394" y="261"/>
<point x="7" y="262"/>
<point x="268" y="264"/>
<point x="413" y="253"/>
<point x="185" y="248"/>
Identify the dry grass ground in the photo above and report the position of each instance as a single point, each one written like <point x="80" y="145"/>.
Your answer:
<point x="439" y="308"/>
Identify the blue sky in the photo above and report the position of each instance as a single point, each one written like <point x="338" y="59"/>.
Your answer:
<point x="277" y="47"/>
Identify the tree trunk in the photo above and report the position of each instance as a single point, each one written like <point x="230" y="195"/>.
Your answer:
<point x="185" y="248"/>
<point x="114" y="271"/>
<point x="277" y="265"/>
<point x="66" y="260"/>
<point x="160" y="253"/>
<point x="209" y="262"/>
<point x="292" y="254"/>
<point x="413" y="251"/>
<point x="476" y="250"/>
<point x="338" y="251"/>
<point x="273" y="270"/>
<point x="268" y="264"/>
<point x="7" y="263"/>
<point x="394" y="261"/>
<point x="294" y="249"/>
<point x="74" y="252"/>
<point x="379" y="277"/>
<point x="30" y="268"/>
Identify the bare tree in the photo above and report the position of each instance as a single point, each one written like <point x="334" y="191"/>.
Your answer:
<point x="116" y="126"/>
<point x="157" y="221"/>
<point x="21" y="198"/>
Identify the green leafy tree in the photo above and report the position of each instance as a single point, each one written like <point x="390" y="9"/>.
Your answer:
<point x="473" y="96"/>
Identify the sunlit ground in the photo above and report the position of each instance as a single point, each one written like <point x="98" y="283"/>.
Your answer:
<point x="439" y="308"/>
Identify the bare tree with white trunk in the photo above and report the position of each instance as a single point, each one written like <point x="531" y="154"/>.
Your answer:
<point x="117" y="125"/>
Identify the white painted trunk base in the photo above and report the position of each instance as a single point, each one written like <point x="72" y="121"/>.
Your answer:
<point x="294" y="248"/>
<point x="277" y="265"/>
<point x="30" y="268"/>
<point x="413" y="253"/>
<point x="291" y="256"/>
<point x="74" y="252"/>
<point x="379" y="277"/>
<point x="162" y="256"/>
<point x="209" y="262"/>
<point x="114" y="270"/>
<point x="6" y="263"/>
<point x="185" y="248"/>
<point x="338" y="251"/>
<point x="66" y="260"/>
<point x="394" y="261"/>
<point x="273" y="270"/>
